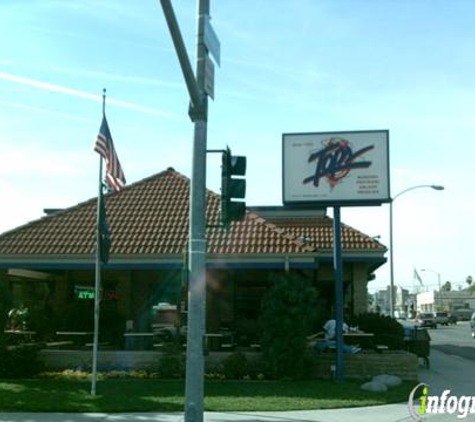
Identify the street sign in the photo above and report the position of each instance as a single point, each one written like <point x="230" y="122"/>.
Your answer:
<point x="209" y="77"/>
<point x="212" y="42"/>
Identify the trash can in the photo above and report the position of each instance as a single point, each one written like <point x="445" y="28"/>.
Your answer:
<point x="417" y="341"/>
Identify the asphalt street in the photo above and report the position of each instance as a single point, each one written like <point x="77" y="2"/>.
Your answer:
<point x="452" y="356"/>
<point x="454" y="340"/>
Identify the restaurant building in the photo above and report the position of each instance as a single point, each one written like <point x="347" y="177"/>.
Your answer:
<point x="48" y="264"/>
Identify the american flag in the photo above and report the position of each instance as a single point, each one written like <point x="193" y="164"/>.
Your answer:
<point x="105" y="147"/>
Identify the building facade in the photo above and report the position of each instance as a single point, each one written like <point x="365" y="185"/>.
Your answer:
<point x="48" y="264"/>
<point x="458" y="302"/>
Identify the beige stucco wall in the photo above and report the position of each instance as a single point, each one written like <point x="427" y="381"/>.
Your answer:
<point x="360" y="288"/>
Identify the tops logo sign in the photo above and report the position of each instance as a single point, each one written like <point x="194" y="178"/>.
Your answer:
<point x="336" y="168"/>
<point x="335" y="161"/>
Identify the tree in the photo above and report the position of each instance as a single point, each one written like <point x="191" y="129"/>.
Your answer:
<point x="5" y="304"/>
<point x="289" y="311"/>
<point x="447" y="287"/>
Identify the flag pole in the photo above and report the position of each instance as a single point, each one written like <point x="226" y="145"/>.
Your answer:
<point x="97" y="290"/>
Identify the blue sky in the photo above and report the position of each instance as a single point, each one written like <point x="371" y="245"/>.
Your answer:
<point x="287" y="66"/>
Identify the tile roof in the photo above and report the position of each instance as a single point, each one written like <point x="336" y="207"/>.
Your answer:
<point x="150" y="218"/>
<point x="318" y="233"/>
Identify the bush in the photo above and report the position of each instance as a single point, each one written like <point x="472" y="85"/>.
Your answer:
<point x="5" y="304"/>
<point x="289" y="310"/>
<point x="171" y="363"/>
<point x="235" y="366"/>
<point x="247" y="331"/>
<point x="19" y="362"/>
<point x="238" y="367"/>
<point x="386" y="330"/>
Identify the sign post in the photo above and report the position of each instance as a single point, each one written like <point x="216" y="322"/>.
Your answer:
<point x="337" y="264"/>
<point x="198" y="89"/>
<point x="336" y="169"/>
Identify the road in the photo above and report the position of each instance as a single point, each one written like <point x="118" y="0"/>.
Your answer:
<point x="454" y="340"/>
<point x="452" y="357"/>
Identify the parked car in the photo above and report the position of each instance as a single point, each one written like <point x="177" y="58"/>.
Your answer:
<point x="453" y="319"/>
<point x="425" y="319"/>
<point x="463" y="314"/>
<point x="472" y="324"/>
<point x="442" y="318"/>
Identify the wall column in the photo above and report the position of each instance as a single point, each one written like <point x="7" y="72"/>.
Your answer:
<point x="360" y="288"/>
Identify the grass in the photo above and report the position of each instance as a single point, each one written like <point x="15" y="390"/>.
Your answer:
<point x="129" y="395"/>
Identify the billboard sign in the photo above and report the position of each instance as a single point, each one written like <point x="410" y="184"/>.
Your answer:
<point x="336" y="168"/>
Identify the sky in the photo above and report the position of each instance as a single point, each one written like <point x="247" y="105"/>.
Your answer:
<point x="286" y="66"/>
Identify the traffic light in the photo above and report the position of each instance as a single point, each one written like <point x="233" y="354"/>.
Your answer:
<point x="232" y="187"/>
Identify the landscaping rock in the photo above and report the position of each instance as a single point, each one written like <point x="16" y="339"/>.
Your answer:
<point x="374" y="386"/>
<point x="389" y="380"/>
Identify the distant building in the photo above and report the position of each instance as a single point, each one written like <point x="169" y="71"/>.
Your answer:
<point x="381" y="302"/>
<point x="404" y="302"/>
<point x="461" y="302"/>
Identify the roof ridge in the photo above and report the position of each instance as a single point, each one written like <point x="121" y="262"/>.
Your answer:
<point x="281" y="232"/>
<point x="286" y="225"/>
<point x="152" y="219"/>
<point x="86" y="202"/>
<point x="364" y="235"/>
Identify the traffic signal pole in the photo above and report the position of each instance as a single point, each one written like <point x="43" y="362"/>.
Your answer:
<point x="194" y="388"/>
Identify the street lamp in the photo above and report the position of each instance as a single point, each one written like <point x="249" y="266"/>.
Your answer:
<point x="391" y="246"/>
<point x="435" y="272"/>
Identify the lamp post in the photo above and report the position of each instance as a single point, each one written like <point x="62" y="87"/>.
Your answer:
<point x="391" y="246"/>
<point x="435" y="272"/>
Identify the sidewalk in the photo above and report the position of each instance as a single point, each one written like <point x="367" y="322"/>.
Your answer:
<point x="447" y="372"/>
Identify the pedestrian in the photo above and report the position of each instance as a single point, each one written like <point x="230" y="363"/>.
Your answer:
<point x="329" y="331"/>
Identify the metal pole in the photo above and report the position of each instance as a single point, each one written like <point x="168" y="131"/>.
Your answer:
<point x="391" y="261"/>
<point x="391" y="245"/>
<point x="337" y="263"/>
<point x="181" y="52"/>
<point x="194" y="387"/>
<point x="97" y="288"/>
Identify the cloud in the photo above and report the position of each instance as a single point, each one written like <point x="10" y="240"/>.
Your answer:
<point x="45" y="111"/>
<point x="85" y="95"/>
<point x="69" y="71"/>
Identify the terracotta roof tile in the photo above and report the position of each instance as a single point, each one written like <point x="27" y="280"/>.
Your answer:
<point x="147" y="217"/>
<point x="318" y="233"/>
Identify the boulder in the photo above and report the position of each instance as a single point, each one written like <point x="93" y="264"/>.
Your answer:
<point x="389" y="380"/>
<point x="375" y="386"/>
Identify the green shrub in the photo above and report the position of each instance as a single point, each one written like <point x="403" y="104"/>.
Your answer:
<point x="19" y="362"/>
<point x="386" y="330"/>
<point x="289" y="310"/>
<point x="172" y="364"/>
<point x="5" y="304"/>
<point x="247" y="331"/>
<point x="394" y="342"/>
<point x="235" y="366"/>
